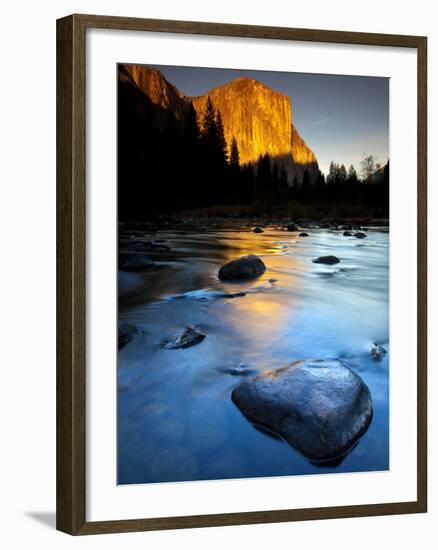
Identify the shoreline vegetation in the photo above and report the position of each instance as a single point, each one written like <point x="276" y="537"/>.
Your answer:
<point x="203" y="218"/>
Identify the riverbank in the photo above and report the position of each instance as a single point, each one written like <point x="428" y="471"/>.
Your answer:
<point x="201" y="222"/>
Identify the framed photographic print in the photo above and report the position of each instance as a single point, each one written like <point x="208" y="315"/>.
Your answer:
<point x="241" y="220"/>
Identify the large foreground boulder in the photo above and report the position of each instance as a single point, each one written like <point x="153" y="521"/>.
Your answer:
<point x="244" y="268"/>
<point x="320" y="407"/>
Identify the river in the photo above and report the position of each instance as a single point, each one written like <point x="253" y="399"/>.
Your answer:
<point x="176" y="420"/>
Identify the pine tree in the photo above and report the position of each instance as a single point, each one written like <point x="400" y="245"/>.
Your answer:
<point x="234" y="154"/>
<point x="352" y="175"/>
<point x="214" y="154"/>
<point x="209" y="122"/>
<point x="234" y="179"/>
<point x="221" y="143"/>
<point x="191" y="166"/>
<point x="342" y="175"/>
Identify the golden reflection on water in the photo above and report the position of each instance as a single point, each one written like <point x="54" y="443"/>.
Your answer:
<point x="240" y="243"/>
<point x="260" y="315"/>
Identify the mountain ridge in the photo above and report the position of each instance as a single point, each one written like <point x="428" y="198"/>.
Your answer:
<point x="258" y="117"/>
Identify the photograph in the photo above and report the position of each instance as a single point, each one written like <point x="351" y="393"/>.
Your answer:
<point x="253" y="273"/>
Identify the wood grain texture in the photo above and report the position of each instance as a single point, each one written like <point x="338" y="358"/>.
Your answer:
<point x="422" y="274"/>
<point x="71" y="231"/>
<point x="71" y="270"/>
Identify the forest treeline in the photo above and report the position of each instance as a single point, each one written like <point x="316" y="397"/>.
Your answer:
<point x="170" y="164"/>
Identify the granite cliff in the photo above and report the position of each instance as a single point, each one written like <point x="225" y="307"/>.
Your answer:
<point x="261" y="121"/>
<point x="258" y="117"/>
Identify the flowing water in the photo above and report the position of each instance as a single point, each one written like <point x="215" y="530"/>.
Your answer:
<point x="176" y="420"/>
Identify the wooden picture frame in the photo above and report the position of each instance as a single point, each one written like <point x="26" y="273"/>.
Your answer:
<point x="71" y="273"/>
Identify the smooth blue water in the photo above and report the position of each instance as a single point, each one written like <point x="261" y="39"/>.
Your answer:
<point x="176" y="420"/>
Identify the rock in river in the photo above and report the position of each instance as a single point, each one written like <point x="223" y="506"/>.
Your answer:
<point x="360" y="235"/>
<point x="328" y="260"/>
<point x="189" y="337"/>
<point x="246" y="267"/>
<point x="377" y="352"/>
<point x="319" y="407"/>
<point x="134" y="262"/>
<point x="126" y="333"/>
<point x="303" y="234"/>
<point x="347" y="234"/>
<point x="292" y="227"/>
<point x="241" y="370"/>
<point x="258" y="230"/>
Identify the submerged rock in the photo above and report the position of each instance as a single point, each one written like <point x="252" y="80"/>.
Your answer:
<point x="241" y="370"/>
<point x="303" y="234"/>
<point x="360" y="235"/>
<point x="319" y="407"/>
<point x="328" y="260"/>
<point x="189" y="337"/>
<point x="292" y="227"/>
<point x="134" y="262"/>
<point x="258" y="230"/>
<point x="377" y="352"/>
<point x="347" y="234"/>
<point x="126" y="333"/>
<point x="246" y="267"/>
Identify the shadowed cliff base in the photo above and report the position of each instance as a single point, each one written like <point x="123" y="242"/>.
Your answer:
<point x="234" y="148"/>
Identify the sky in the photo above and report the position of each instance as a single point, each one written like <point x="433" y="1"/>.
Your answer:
<point x="341" y="118"/>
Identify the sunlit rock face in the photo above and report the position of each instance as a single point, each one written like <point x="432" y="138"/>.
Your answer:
<point x="261" y="121"/>
<point x="161" y="93"/>
<point x="258" y="117"/>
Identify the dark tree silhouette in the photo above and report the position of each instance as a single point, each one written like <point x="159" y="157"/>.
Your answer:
<point x="234" y="154"/>
<point x="306" y="191"/>
<point x="221" y="143"/>
<point x="214" y="153"/>
<point x="263" y="183"/>
<point x="247" y="188"/>
<point x="209" y="122"/>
